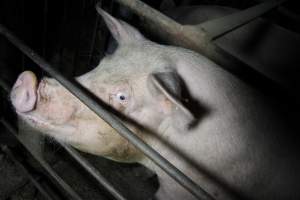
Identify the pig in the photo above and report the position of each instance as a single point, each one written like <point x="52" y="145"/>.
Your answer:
<point x="224" y="134"/>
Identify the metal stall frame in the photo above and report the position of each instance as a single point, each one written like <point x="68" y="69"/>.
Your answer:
<point x="34" y="180"/>
<point x="85" y="97"/>
<point x="73" y="153"/>
<point x="202" y="37"/>
<point x="203" y="45"/>
<point x="66" y="187"/>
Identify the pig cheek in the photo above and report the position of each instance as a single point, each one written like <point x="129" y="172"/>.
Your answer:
<point x="114" y="146"/>
<point x="106" y="142"/>
<point x="55" y="112"/>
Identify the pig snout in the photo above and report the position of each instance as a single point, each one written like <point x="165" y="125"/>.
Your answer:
<point x="23" y="95"/>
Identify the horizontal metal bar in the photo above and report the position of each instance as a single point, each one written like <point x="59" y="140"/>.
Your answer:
<point x="93" y="171"/>
<point x="83" y="162"/>
<point x="69" y="191"/>
<point x="111" y="119"/>
<point x="27" y="173"/>
<point x="220" y="26"/>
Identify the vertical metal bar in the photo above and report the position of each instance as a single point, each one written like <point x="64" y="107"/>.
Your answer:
<point x="23" y="27"/>
<point x="92" y="45"/>
<point x="77" y="54"/>
<point x="4" y="85"/>
<point x="70" y="192"/>
<point x="94" y="172"/>
<point x="85" y="97"/>
<point x="63" y="22"/>
<point x="27" y="173"/>
<point x="82" y="161"/>
<point x="45" y="28"/>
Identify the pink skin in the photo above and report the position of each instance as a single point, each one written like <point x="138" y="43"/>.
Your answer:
<point x="50" y="108"/>
<point x="23" y="95"/>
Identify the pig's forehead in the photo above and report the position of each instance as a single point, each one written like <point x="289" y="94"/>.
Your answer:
<point x="122" y="77"/>
<point x="131" y="61"/>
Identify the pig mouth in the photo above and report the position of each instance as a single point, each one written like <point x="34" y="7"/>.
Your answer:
<point x="24" y="96"/>
<point x="24" y="93"/>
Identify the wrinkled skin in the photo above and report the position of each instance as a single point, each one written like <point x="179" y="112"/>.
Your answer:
<point x="219" y="131"/>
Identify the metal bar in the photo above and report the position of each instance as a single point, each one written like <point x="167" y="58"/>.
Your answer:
<point x="188" y="36"/>
<point x="27" y="173"/>
<point x="23" y="29"/>
<point x="93" y="171"/>
<point x="83" y="162"/>
<point x="92" y="46"/>
<point x="70" y="192"/>
<point x="4" y="85"/>
<point x="195" y="38"/>
<point x="79" y="33"/>
<point x="111" y="119"/>
<point x="45" y="27"/>
<point x="161" y="21"/>
<point x="218" y="27"/>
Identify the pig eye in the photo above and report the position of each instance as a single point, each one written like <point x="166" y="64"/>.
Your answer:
<point x="121" y="97"/>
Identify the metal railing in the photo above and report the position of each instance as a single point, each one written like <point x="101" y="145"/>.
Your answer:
<point x="85" y="97"/>
<point x="66" y="187"/>
<point x="40" y="188"/>
<point x="73" y="153"/>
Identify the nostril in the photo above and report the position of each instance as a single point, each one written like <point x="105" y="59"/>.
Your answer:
<point x="27" y="96"/>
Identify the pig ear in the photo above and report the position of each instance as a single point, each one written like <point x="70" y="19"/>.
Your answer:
<point x="167" y="86"/>
<point x="120" y="30"/>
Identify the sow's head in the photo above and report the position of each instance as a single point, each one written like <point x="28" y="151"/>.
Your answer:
<point x="138" y="81"/>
